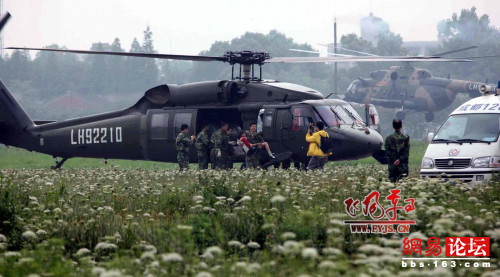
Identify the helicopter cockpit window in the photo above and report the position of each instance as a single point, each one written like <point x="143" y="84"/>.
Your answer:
<point x="337" y="115"/>
<point x="300" y="121"/>
<point x="328" y="116"/>
<point x="268" y="119"/>
<point x="159" y="126"/>
<point x="259" y="120"/>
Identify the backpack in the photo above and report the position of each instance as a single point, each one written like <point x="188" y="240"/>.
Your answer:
<point x="326" y="145"/>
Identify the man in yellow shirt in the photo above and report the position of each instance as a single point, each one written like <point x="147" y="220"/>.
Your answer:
<point x="318" y="158"/>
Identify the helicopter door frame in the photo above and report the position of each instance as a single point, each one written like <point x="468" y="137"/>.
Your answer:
<point x="160" y="141"/>
<point x="157" y="135"/>
<point x="283" y="124"/>
<point x="185" y="116"/>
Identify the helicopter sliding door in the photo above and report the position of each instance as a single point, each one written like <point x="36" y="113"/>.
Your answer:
<point x="162" y="129"/>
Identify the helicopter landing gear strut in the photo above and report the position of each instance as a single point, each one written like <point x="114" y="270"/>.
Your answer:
<point x="58" y="163"/>
<point x="429" y="116"/>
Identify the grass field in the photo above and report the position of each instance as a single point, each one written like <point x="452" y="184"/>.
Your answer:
<point x="18" y="158"/>
<point x="148" y="219"/>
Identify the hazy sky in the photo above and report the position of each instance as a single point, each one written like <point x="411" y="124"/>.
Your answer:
<point x="190" y="26"/>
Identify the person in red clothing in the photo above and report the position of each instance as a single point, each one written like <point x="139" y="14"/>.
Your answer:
<point x="248" y="148"/>
<point x="251" y="149"/>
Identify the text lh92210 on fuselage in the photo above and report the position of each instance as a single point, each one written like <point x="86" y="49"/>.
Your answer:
<point x="96" y="135"/>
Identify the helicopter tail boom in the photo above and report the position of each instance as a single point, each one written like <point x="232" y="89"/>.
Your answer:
<point x="14" y="122"/>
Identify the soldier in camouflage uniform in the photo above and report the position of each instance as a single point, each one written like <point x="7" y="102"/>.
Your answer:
<point x="219" y="141"/>
<point x="397" y="148"/>
<point x="203" y="146"/>
<point x="230" y="153"/>
<point x="182" y="144"/>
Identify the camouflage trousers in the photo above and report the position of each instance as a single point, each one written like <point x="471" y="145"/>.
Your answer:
<point x="252" y="162"/>
<point x="218" y="162"/>
<point x="203" y="159"/>
<point x="183" y="160"/>
<point x="397" y="172"/>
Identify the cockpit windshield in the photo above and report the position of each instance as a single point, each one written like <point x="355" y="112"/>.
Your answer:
<point x="338" y="115"/>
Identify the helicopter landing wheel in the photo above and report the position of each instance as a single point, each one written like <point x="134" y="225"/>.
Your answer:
<point x="429" y="117"/>
<point x="58" y="163"/>
<point x="401" y="115"/>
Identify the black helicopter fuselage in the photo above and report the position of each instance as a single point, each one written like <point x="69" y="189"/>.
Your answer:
<point x="147" y="130"/>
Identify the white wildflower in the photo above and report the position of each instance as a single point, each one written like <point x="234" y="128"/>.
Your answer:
<point x="327" y="265"/>
<point x="12" y="254"/>
<point x="172" y="258"/>
<point x="204" y="274"/>
<point x="215" y="250"/>
<point x="29" y="235"/>
<point x="288" y="236"/>
<point x="253" y="245"/>
<point x="309" y="253"/>
<point x="235" y="244"/>
<point x="245" y="198"/>
<point x="207" y="256"/>
<point x="148" y="256"/>
<point x="277" y="199"/>
<point x="82" y="252"/>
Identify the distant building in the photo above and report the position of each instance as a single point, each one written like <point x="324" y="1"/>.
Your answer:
<point x="372" y="27"/>
<point x="69" y="102"/>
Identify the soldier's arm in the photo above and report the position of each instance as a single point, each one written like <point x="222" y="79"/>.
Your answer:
<point x="405" y="151"/>
<point x="205" y="141"/>
<point x="187" y="140"/>
<point x="390" y="149"/>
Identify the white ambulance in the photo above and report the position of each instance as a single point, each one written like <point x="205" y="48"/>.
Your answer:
<point x="466" y="147"/>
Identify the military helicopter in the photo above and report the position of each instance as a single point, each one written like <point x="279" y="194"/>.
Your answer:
<point x="147" y="130"/>
<point x="410" y="89"/>
<point x="407" y="88"/>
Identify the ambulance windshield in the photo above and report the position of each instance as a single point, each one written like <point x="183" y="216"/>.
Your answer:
<point x="469" y="128"/>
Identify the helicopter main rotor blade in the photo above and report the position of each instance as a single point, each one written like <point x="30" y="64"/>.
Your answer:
<point x="362" y="59"/>
<point x="317" y="52"/>
<point x="128" y="54"/>
<point x="4" y="20"/>
<point x="349" y="50"/>
<point x="455" y="51"/>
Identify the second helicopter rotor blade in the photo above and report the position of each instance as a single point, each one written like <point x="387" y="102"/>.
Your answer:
<point x="362" y="59"/>
<point x="129" y="54"/>
<point x="455" y="51"/>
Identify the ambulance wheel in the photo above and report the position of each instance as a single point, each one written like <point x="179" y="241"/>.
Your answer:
<point x="401" y="115"/>
<point x="429" y="117"/>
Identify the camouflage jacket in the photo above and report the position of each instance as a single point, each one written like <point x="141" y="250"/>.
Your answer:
<point x="183" y="142"/>
<point x="203" y="144"/>
<point x="219" y="140"/>
<point x="254" y="137"/>
<point x="397" y="146"/>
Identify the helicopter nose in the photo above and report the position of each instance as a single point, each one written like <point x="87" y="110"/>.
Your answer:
<point x="355" y="142"/>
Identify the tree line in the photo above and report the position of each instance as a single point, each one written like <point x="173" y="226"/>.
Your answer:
<point x="110" y="82"/>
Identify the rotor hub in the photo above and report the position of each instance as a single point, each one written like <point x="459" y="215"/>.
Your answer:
<point x="246" y="57"/>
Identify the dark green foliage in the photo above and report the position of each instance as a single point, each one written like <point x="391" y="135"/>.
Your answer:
<point x="9" y="225"/>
